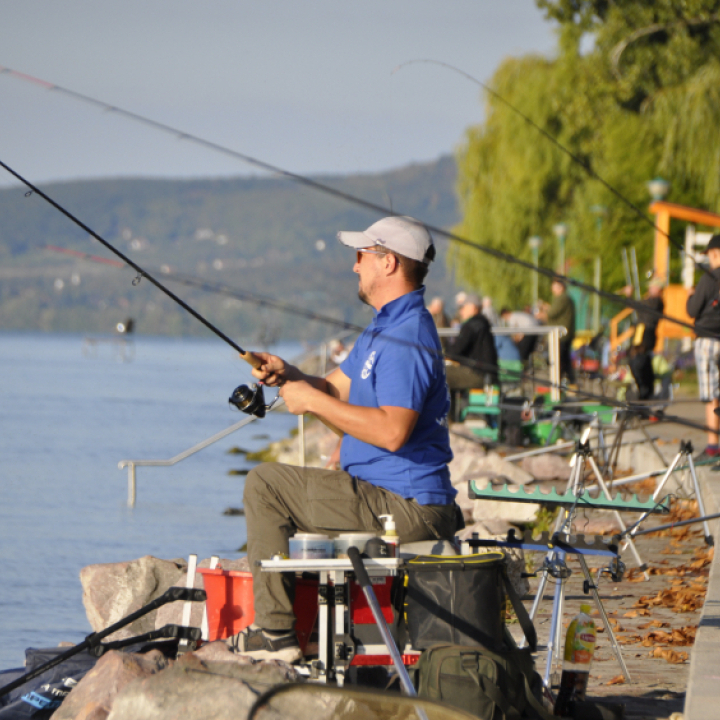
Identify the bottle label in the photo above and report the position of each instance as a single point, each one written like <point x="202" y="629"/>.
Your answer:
<point x="580" y="642"/>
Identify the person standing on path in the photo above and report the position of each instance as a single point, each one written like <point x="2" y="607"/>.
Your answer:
<point x="703" y="305"/>
<point x="562" y="312"/>
<point x="641" y="354"/>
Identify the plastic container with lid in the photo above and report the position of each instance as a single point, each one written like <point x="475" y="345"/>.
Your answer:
<point x="346" y="540"/>
<point x="311" y="546"/>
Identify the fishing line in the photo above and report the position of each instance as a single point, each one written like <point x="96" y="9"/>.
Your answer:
<point x="327" y="189"/>
<point x="583" y="164"/>
<point x="640" y="409"/>
<point x="222" y="289"/>
<point x="337" y="193"/>
<point x="248" y="357"/>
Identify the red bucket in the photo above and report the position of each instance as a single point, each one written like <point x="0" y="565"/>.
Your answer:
<point x="230" y="606"/>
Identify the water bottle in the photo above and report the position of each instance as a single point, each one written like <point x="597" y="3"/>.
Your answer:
<point x="579" y="648"/>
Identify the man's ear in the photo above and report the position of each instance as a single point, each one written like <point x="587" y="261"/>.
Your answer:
<point x="392" y="263"/>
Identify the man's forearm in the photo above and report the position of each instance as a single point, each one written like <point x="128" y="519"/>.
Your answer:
<point x="385" y="428"/>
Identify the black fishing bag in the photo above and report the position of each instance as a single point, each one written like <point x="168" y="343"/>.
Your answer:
<point x="456" y="615"/>
<point x="460" y="600"/>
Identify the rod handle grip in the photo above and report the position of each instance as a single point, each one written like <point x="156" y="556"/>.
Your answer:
<point x="251" y="359"/>
<point x="358" y="567"/>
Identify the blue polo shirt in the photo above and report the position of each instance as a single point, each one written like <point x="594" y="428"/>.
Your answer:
<point x="397" y="361"/>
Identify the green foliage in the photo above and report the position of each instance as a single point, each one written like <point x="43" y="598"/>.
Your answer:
<point x="544" y="520"/>
<point x="643" y="101"/>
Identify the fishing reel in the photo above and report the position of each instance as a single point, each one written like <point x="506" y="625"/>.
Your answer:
<point x="250" y="400"/>
<point x="556" y="568"/>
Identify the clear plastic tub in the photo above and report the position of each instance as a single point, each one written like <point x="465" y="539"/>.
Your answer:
<point x="346" y="540"/>
<point x="311" y="546"/>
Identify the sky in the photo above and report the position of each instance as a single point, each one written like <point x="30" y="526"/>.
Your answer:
<point x="306" y="86"/>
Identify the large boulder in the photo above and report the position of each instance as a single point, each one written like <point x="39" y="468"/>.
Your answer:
<point x="547" y="467"/>
<point x="490" y="466"/>
<point x="93" y="696"/>
<point x="194" y="688"/>
<point x="111" y="591"/>
<point x="465" y="453"/>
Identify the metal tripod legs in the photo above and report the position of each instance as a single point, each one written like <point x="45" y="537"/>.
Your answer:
<point x="685" y="451"/>
<point x="554" y="641"/>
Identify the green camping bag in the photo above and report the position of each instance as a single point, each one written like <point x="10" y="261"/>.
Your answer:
<point x="491" y="684"/>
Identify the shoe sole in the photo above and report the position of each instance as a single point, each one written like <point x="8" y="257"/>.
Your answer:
<point x="288" y="655"/>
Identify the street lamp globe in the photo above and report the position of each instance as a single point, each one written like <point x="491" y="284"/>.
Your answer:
<point x="658" y="188"/>
<point x="535" y="242"/>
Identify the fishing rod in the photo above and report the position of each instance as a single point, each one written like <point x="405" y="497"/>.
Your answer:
<point x="582" y="163"/>
<point x="247" y="356"/>
<point x="327" y="189"/>
<point x="514" y="376"/>
<point x="323" y="188"/>
<point x="670" y="526"/>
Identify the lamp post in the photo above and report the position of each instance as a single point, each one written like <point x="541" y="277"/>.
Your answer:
<point x="658" y="189"/>
<point x="535" y="242"/>
<point x="560" y="231"/>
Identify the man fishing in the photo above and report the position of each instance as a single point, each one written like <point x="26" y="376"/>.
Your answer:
<point x="389" y="401"/>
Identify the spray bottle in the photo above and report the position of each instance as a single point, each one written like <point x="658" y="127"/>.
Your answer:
<point x="390" y="536"/>
<point x="579" y="649"/>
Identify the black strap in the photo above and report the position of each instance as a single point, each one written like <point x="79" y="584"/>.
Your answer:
<point x="522" y="615"/>
<point x="535" y="704"/>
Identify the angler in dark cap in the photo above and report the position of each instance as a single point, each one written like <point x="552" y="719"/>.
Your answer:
<point x="389" y="401"/>
<point x="704" y="305"/>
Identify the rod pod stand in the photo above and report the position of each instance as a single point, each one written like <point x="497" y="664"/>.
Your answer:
<point x="685" y="451"/>
<point x="556" y="567"/>
<point x="93" y="640"/>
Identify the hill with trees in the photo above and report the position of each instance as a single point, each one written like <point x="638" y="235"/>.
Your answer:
<point x="260" y="235"/>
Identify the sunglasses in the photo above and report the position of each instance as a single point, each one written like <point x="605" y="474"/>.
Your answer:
<point x="367" y="251"/>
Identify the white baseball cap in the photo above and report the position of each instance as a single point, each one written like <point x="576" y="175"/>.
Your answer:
<point x="403" y="235"/>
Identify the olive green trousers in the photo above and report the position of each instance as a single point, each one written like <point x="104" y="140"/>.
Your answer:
<point x="281" y="500"/>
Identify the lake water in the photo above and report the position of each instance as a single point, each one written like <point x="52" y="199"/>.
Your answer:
<point x="66" y="419"/>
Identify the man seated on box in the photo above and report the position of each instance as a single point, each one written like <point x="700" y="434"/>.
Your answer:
<point x="389" y="401"/>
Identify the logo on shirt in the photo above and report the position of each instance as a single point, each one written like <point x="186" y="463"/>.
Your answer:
<point x="367" y="368"/>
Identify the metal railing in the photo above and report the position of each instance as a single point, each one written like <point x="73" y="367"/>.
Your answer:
<point x="132" y="464"/>
<point x="554" y="333"/>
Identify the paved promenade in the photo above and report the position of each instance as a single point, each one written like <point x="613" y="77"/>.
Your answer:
<point x="702" y="700"/>
<point x="655" y="620"/>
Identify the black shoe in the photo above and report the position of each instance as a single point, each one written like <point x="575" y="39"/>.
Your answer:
<point x="264" y="645"/>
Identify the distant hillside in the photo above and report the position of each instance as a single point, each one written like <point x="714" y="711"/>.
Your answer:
<point x="254" y="234"/>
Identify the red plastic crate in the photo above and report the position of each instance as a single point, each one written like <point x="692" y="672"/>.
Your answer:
<point x="230" y="605"/>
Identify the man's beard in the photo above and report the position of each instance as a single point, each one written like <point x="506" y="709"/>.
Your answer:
<point x="363" y="297"/>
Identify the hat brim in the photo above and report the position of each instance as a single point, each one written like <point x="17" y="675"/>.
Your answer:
<point x="355" y="240"/>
